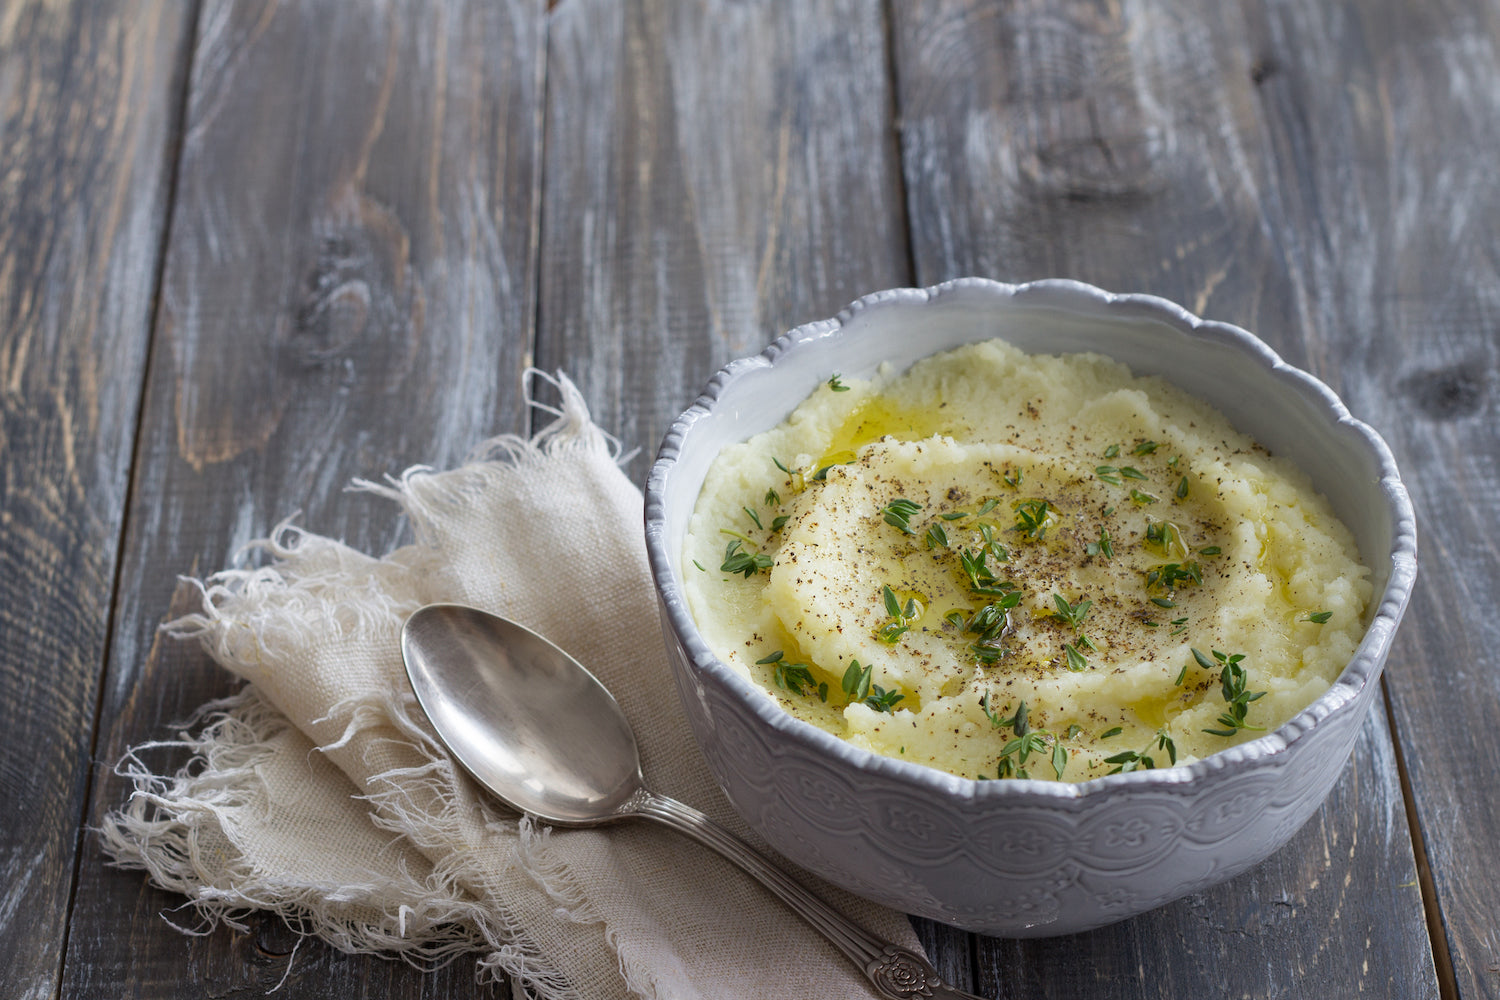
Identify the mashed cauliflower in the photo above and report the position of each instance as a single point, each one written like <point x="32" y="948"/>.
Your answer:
<point x="1011" y="565"/>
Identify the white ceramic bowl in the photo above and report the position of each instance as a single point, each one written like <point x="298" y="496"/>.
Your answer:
<point x="1027" y="858"/>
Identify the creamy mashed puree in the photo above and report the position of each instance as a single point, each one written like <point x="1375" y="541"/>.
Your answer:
<point x="1004" y="565"/>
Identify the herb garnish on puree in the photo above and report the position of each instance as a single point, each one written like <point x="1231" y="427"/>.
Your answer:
<point x="1009" y="565"/>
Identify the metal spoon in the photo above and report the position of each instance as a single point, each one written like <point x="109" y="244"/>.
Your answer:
<point x="544" y="736"/>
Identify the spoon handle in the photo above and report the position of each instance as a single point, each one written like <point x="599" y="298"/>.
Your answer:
<point x="896" y="973"/>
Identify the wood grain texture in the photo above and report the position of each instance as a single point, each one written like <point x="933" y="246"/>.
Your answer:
<point x="1112" y="143"/>
<point x="1126" y="145"/>
<point x="348" y="290"/>
<point x="717" y="173"/>
<point x="1383" y="118"/>
<point x="86" y="115"/>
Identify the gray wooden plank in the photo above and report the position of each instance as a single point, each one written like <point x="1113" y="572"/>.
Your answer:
<point x="1127" y="145"/>
<point x="717" y="173"/>
<point x="1383" y="118"/>
<point x="86" y="119"/>
<point x="348" y="289"/>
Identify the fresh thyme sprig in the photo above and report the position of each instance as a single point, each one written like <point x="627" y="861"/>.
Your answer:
<point x="1017" y="721"/>
<point x="1319" y="617"/>
<point x="984" y="508"/>
<point x="1170" y="576"/>
<point x="1140" y="760"/>
<point x="1237" y="699"/>
<point x="796" y="479"/>
<point x="992" y="544"/>
<point x="794" y="677"/>
<point x="835" y="382"/>
<point x="882" y="700"/>
<point x="746" y="563"/>
<point x="982" y="579"/>
<point x="858" y="685"/>
<point x="1025" y="742"/>
<point x="1166" y="536"/>
<point x="990" y="623"/>
<point x="1073" y="614"/>
<point x="1077" y="662"/>
<point x="1032" y="519"/>
<point x="898" y="514"/>
<point x="1105" y="546"/>
<point x="1112" y="474"/>
<point x="900" y="618"/>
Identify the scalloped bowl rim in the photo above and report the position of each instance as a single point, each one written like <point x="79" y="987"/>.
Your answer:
<point x="1363" y="667"/>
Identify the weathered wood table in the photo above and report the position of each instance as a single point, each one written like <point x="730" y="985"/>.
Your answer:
<point x="249" y="250"/>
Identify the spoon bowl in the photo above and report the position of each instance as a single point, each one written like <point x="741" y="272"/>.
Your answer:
<point x="526" y="720"/>
<point x="538" y="731"/>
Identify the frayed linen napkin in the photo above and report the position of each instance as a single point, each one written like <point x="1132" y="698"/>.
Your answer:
<point x="318" y="791"/>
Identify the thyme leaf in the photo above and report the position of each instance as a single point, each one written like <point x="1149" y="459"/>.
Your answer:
<point x="1139" y="760"/>
<point x="898" y="514"/>
<point x="1237" y="698"/>
<point x="858" y="685"/>
<point x="892" y="605"/>
<point x="857" y="679"/>
<point x="1169" y="576"/>
<point x="1105" y="546"/>
<point x="746" y="563"/>
<point x="1033" y="519"/>
<point x="1073" y="614"/>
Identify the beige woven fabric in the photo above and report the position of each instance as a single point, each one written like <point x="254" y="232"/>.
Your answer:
<point x="319" y="793"/>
